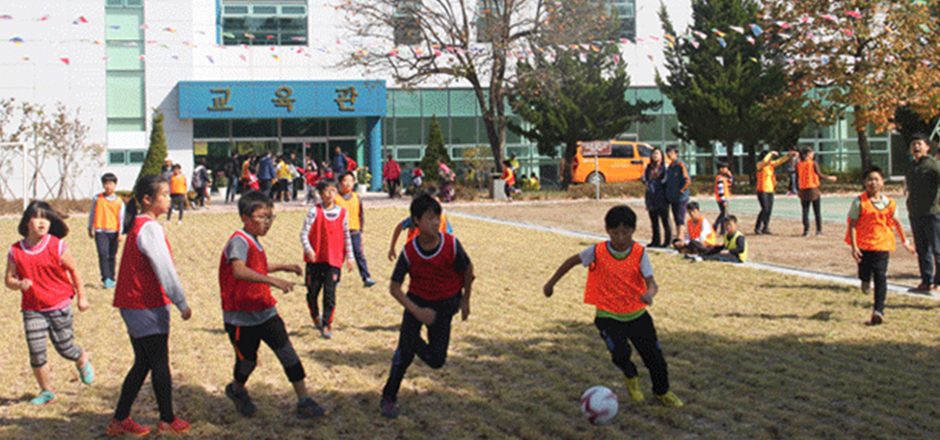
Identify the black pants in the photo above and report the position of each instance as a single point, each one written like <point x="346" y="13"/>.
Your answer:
<point x="151" y="355"/>
<point x="231" y="189"/>
<point x="794" y="183"/>
<point x="722" y="215"/>
<point x="657" y="217"/>
<point x="805" y="204"/>
<point x="359" y="254"/>
<point x="697" y="247"/>
<point x="926" y="231"/>
<point x="178" y="201"/>
<point x="433" y="352"/>
<point x="875" y="265"/>
<point x="766" y="200"/>
<point x="265" y="187"/>
<point x="200" y="195"/>
<point x="107" y="244"/>
<point x="393" y="185"/>
<point x="322" y="275"/>
<point x="642" y="334"/>
<point x="246" y="341"/>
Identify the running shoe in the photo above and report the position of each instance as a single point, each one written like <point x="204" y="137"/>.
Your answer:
<point x="670" y="400"/>
<point x="633" y="389"/>
<point x="243" y="403"/>
<point x="127" y="426"/>
<point x="87" y="373"/>
<point x="179" y="426"/>
<point x="307" y="408"/>
<point x="43" y="398"/>
<point x="389" y="408"/>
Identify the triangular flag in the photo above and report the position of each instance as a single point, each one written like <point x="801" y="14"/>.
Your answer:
<point x="64" y="60"/>
<point x="721" y="41"/>
<point x="17" y="41"/>
<point x="80" y="20"/>
<point x="737" y="29"/>
<point x="756" y="30"/>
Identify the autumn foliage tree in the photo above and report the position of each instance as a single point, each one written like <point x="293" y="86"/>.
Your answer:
<point x="869" y="56"/>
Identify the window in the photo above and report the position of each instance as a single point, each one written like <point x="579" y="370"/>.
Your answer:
<point x="644" y="150"/>
<point x="264" y="22"/>
<point x="126" y="157"/>
<point x="407" y="22"/>
<point x="621" y="151"/>
<point x="624" y="11"/>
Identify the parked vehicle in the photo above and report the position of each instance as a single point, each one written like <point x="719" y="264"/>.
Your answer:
<point x="626" y="163"/>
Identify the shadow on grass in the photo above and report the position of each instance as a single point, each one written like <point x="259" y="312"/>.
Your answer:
<point x="820" y="286"/>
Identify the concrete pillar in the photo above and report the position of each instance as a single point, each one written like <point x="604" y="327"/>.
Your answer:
<point x="374" y="143"/>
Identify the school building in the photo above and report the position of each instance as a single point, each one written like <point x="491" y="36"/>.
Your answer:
<point x="256" y="75"/>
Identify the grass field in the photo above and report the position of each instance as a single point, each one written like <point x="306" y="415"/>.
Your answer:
<point x="753" y="354"/>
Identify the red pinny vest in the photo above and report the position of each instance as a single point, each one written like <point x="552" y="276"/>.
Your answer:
<point x="328" y="239"/>
<point x="240" y="295"/>
<point x="433" y="277"/>
<point x="137" y="283"/>
<point x="43" y="266"/>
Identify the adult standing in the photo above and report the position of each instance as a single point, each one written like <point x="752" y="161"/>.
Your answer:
<point x="923" y="191"/>
<point x="391" y="173"/>
<point x="266" y="173"/>
<point x="656" y="205"/>
<point x="231" y="170"/>
<point x="809" y="175"/>
<point x="791" y="171"/>
<point x="766" y="185"/>
<point x="339" y="162"/>
<point x="677" y="187"/>
<point x="200" y="182"/>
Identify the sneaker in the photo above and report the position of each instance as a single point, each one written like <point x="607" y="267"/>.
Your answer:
<point x="921" y="288"/>
<point x="819" y="233"/>
<point x="806" y="233"/>
<point x="697" y="258"/>
<point x="178" y="426"/>
<point x="688" y="257"/>
<point x="670" y="400"/>
<point x="179" y="222"/>
<point x="109" y="283"/>
<point x="127" y="426"/>
<point x="633" y="389"/>
<point x="307" y="408"/>
<point x="876" y="319"/>
<point x="327" y="332"/>
<point x="243" y="403"/>
<point x="389" y="408"/>
<point x="318" y="323"/>
<point x="757" y="232"/>
<point x="43" y="398"/>
<point x="368" y="282"/>
<point x="766" y="232"/>
<point x="866" y="288"/>
<point x="87" y="373"/>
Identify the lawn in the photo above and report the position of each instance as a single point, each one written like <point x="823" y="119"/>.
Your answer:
<point x="753" y="354"/>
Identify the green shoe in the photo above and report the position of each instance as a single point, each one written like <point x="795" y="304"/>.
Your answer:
<point x="670" y="400"/>
<point x="87" y="373"/>
<point x="633" y="389"/>
<point x="43" y="398"/>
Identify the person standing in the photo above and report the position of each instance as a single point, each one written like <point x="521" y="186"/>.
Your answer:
<point x="809" y="175"/>
<point x="200" y="182"/>
<point x="766" y="184"/>
<point x="656" y="205"/>
<point x="677" y="187"/>
<point x="266" y="173"/>
<point x="231" y="170"/>
<point x="923" y="188"/>
<point x="339" y="162"/>
<point x="391" y="173"/>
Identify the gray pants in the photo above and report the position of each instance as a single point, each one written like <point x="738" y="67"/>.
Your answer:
<point x="58" y="324"/>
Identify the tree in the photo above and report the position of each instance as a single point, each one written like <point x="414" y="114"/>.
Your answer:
<point x="434" y="151"/>
<point x="463" y="40"/>
<point x="157" y="152"/>
<point x="720" y="79"/>
<point x="11" y="130"/>
<point x="576" y="96"/>
<point x="66" y="144"/>
<point x="869" y="56"/>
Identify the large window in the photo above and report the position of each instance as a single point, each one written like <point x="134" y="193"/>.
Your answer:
<point x="263" y="22"/>
<point x="124" y="50"/>
<point x="625" y="12"/>
<point x="407" y="26"/>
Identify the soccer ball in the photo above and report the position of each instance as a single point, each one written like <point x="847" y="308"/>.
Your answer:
<point x="599" y="405"/>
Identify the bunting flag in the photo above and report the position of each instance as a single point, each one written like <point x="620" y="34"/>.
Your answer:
<point x="756" y="30"/>
<point x="737" y="29"/>
<point x="854" y="14"/>
<point x="65" y="60"/>
<point x="170" y="30"/>
<point x="750" y="39"/>
<point x="721" y="41"/>
<point x="848" y="32"/>
<point x="17" y="41"/>
<point x="80" y="20"/>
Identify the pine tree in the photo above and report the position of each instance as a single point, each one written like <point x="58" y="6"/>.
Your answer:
<point x="434" y="150"/>
<point x="156" y="154"/>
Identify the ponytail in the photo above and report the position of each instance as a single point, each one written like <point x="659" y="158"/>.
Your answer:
<point x="146" y="186"/>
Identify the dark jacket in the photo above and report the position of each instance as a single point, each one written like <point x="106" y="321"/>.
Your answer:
<point x="655" y="188"/>
<point x="266" y="168"/>
<point x="923" y="187"/>
<point x="677" y="182"/>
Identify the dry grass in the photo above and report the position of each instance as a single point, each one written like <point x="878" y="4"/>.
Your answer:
<point x="753" y="354"/>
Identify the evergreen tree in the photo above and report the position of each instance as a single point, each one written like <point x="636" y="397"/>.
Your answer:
<point x="156" y="154"/>
<point x="719" y="83"/>
<point x="577" y="96"/>
<point x="434" y="150"/>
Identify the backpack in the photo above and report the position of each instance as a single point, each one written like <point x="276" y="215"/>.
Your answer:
<point x="197" y="178"/>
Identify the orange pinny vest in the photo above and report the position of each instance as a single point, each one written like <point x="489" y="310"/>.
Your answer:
<point x="727" y="184"/>
<point x="873" y="227"/>
<point x="177" y="184"/>
<point x="616" y="285"/>
<point x="806" y="170"/>
<point x="695" y="230"/>
<point x="107" y="213"/>
<point x="352" y="207"/>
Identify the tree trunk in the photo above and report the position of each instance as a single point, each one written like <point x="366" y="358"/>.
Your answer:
<point x="752" y="166"/>
<point x="496" y="135"/>
<point x="864" y="150"/>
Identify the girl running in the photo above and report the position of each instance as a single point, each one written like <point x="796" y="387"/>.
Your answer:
<point x="147" y="284"/>
<point x="41" y="266"/>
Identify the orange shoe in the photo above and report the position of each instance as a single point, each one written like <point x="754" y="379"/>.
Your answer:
<point x="178" y="426"/>
<point x="127" y="426"/>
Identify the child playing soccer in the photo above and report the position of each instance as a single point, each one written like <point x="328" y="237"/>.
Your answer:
<point x="326" y="240"/>
<point x="147" y="284"/>
<point x="734" y="249"/>
<point x="105" y="221"/>
<point x="701" y="239"/>
<point x="872" y="215"/>
<point x="249" y="311"/>
<point x="412" y="228"/>
<point x="441" y="276"/>
<point x="40" y="266"/>
<point x="349" y="200"/>
<point x="723" y="182"/>
<point x="177" y="193"/>
<point x="620" y="285"/>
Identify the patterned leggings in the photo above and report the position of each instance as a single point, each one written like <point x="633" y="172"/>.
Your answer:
<point x="58" y="324"/>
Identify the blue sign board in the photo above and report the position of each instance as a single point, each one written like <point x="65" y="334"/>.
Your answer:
<point x="281" y="99"/>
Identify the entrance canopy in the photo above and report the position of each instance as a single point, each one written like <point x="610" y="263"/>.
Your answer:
<point x="281" y="99"/>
